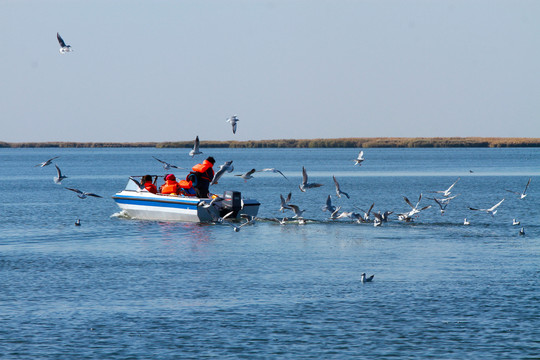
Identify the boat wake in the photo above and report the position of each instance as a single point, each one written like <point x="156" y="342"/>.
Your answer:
<point x="121" y="215"/>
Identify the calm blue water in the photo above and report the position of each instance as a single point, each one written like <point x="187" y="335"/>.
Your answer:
<point x="116" y="288"/>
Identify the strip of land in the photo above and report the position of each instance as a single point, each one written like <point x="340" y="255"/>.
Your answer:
<point x="382" y="142"/>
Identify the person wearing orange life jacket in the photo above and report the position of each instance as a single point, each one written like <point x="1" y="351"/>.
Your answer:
<point x="148" y="184"/>
<point x="204" y="173"/>
<point x="186" y="188"/>
<point x="170" y="186"/>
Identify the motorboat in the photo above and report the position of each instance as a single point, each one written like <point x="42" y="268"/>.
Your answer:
<point x="141" y="204"/>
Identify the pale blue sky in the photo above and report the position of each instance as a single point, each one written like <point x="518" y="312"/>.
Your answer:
<point x="170" y="70"/>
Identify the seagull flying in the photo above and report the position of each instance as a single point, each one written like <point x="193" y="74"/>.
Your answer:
<point x="284" y="202"/>
<point x="48" y="162"/>
<point x="297" y="212"/>
<point x="443" y="202"/>
<point x="237" y="228"/>
<point x="247" y="175"/>
<point x="63" y="47"/>
<point x="359" y="159"/>
<point x="446" y="192"/>
<point x="195" y="150"/>
<point x="227" y="167"/>
<point x="334" y="214"/>
<point x="233" y="120"/>
<point x="83" y="195"/>
<point x="274" y="171"/>
<point x="523" y="194"/>
<point x="305" y="185"/>
<point x="59" y="177"/>
<point x="492" y="210"/>
<point x="338" y="189"/>
<point x="414" y="209"/>
<point x="365" y="217"/>
<point x="166" y="165"/>
<point x="329" y="207"/>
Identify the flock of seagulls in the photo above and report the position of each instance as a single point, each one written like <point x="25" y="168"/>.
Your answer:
<point x="377" y="218"/>
<point x="442" y="199"/>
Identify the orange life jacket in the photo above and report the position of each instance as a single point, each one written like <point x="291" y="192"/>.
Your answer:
<point x="170" y="187"/>
<point x="184" y="184"/>
<point x="202" y="167"/>
<point x="187" y="188"/>
<point x="205" y="169"/>
<point x="150" y="187"/>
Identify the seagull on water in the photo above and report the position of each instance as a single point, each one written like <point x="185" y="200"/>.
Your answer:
<point x="167" y="165"/>
<point x="248" y="175"/>
<point x="63" y="47"/>
<point x="446" y="192"/>
<point x="59" y="177"/>
<point x="365" y="279"/>
<point x="492" y="210"/>
<point x="82" y="194"/>
<point x="78" y="222"/>
<point x="523" y="194"/>
<point x="378" y="219"/>
<point x="274" y="171"/>
<point x="281" y="222"/>
<point x="522" y="231"/>
<point x="350" y="214"/>
<point x="515" y="222"/>
<point x="48" y="162"/>
<point x="338" y="189"/>
<point x="233" y="120"/>
<point x="195" y="150"/>
<point x="385" y="215"/>
<point x="227" y="167"/>
<point x="305" y="185"/>
<point x="359" y="159"/>
<point x="466" y="222"/>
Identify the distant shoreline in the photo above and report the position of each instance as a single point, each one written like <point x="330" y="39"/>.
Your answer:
<point x="381" y="142"/>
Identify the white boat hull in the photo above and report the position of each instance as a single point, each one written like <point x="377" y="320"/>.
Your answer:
<point x="144" y="205"/>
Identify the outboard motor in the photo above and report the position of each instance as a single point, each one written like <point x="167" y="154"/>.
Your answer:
<point x="232" y="201"/>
